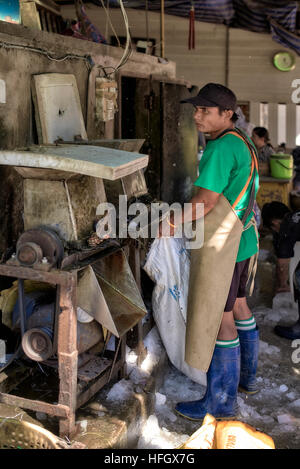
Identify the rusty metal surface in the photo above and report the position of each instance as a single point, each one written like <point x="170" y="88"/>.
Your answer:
<point x="67" y="354"/>
<point x="69" y="398"/>
<point x="85" y="396"/>
<point x="29" y="254"/>
<point x="80" y="259"/>
<point x="46" y="239"/>
<point x="93" y="368"/>
<point x="55" y="277"/>
<point x="118" y="286"/>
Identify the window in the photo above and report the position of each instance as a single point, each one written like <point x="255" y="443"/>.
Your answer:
<point x="281" y="122"/>
<point x="297" y="125"/>
<point x="2" y="92"/>
<point x="264" y="115"/>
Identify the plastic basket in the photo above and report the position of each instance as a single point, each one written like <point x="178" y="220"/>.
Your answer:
<point x="281" y="166"/>
<point x="16" y="434"/>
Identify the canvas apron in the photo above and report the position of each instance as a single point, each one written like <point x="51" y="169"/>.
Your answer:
<point x="211" y="273"/>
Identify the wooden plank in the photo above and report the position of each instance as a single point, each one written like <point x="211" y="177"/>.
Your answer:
<point x="105" y="163"/>
<point x="38" y="406"/>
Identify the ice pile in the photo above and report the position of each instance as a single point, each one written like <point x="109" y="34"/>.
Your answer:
<point x="265" y="348"/>
<point x="178" y="387"/>
<point x="154" y="437"/>
<point x="248" y="412"/>
<point x="162" y="409"/>
<point x="154" y="348"/>
<point x="284" y="309"/>
<point x="121" y="391"/>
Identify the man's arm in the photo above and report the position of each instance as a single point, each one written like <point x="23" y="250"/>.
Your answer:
<point x="203" y="196"/>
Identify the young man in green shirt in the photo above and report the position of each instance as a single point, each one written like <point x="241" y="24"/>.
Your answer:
<point x="224" y="169"/>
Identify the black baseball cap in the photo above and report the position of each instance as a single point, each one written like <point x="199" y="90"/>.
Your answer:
<point x="214" y="95"/>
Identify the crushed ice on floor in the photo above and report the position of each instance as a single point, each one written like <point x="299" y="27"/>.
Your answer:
<point x="275" y="410"/>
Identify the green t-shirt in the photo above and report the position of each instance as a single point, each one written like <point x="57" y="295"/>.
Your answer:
<point x="224" y="168"/>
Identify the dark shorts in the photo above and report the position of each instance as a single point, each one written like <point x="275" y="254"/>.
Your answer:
<point x="238" y="284"/>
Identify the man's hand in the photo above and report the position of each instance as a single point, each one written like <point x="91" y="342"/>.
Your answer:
<point x="204" y="196"/>
<point x="169" y="223"/>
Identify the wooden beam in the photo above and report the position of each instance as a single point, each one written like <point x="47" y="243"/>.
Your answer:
<point x="37" y="406"/>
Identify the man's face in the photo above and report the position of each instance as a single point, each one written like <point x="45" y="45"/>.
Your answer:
<point x="259" y="142"/>
<point x="209" y="119"/>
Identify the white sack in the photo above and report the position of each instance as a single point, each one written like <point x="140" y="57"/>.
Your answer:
<point x="168" y="265"/>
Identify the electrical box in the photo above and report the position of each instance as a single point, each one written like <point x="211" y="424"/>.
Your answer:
<point x="106" y="99"/>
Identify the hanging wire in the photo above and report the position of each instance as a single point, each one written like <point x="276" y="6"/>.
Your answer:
<point x="147" y="22"/>
<point x="128" y="46"/>
<point x="109" y="21"/>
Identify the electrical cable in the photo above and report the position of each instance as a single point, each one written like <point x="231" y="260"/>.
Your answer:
<point x="128" y="46"/>
<point x="7" y="45"/>
<point x="110" y="23"/>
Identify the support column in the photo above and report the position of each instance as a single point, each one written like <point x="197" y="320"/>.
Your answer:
<point x="291" y="126"/>
<point x="273" y="123"/>
<point x="67" y="354"/>
<point x="254" y="113"/>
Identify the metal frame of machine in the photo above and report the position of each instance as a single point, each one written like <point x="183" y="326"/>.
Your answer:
<point x="45" y="169"/>
<point x="69" y="397"/>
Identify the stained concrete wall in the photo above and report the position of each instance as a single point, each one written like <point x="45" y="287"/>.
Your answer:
<point x="249" y="72"/>
<point x="18" y="62"/>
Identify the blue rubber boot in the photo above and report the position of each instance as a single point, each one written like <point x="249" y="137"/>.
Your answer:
<point x="249" y="343"/>
<point x="220" y="399"/>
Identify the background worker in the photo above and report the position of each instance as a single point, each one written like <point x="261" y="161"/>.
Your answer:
<point x="285" y="227"/>
<point x="221" y="336"/>
<point x="261" y="139"/>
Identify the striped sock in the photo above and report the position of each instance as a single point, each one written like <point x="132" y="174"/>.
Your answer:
<point x="245" y="324"/>
<point x="228" y="343"/>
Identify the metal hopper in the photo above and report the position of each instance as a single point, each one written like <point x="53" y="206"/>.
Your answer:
<point x="108" y="292"/>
